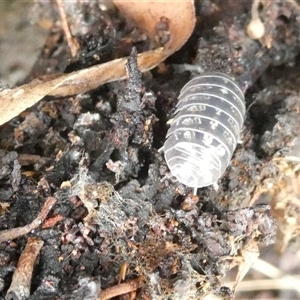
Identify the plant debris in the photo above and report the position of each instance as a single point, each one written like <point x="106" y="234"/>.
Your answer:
<point x="113" y="222"/>
<point x="21" y="281"/>
<point x="91" y="78"/>
<point x="11" y="234"/>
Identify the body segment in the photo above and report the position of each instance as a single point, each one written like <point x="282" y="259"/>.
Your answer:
<point x="205" y="130"/>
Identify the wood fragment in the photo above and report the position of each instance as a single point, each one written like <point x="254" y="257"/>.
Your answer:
<point x="21" y="281"/>
<point x="122" y="273"/>
<point x="52" y="221"/>
<point x="30" y="159"/>
<point x="10" y="234"/>
<point x="121" y="289"/>
<point x="72" y="42"/>
<point x="14" y="101"/>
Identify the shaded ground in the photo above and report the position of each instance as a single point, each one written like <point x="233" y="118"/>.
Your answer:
<point x="97" y="155"/>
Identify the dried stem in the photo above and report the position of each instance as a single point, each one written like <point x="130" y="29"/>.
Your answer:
<point x="121" y="289"/>
<point x="10" y="234"/>
<point x="21" y="281"/>
<point x="72" y="42"/>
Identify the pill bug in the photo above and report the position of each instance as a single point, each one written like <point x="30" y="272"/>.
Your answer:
<point x="205" y="129"/>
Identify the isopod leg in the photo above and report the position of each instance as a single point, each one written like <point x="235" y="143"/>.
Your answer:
<point x="195" y="191"/>
<point x="160" y="150"/>
<point x="215" y="186"/>
<point x="180" y="68"/>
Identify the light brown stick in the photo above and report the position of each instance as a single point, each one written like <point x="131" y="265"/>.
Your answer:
<point x="10" y="234"/>
<point x="121" y="289"/>
<point x="72" y="42"/>
<point x="21" y="281"/>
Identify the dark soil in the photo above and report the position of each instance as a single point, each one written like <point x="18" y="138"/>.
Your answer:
<point x="97" y="154"/>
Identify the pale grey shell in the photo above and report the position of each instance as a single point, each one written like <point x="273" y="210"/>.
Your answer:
<point x="205" y="129"/>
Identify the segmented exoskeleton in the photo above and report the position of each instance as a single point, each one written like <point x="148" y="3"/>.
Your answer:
<point x="205" y="130"/>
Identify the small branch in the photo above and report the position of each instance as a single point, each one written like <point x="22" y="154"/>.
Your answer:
<point x="72" y="42"/>
<point x="21" y="281"/>
<point x="121" y="289"/>
<point x="10" y="234"/>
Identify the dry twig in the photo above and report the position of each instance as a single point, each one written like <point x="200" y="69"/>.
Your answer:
<point x="21" y="281"/>
<point x="72" y="42"/>
<point x="10" y="234"/>
<point x="121" y="289"/>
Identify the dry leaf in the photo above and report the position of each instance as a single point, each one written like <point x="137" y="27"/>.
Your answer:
<point x="15" y="101"/>
<point x="176" y="18"/>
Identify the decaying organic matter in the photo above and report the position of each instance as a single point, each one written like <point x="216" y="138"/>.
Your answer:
<point x="90" y="78"/>
<point x="121" y="225"/>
